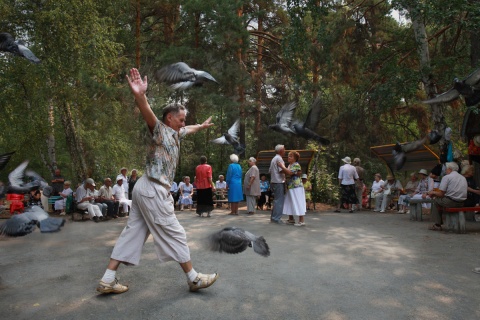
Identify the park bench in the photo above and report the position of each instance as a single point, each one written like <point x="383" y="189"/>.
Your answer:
<point x="415" y="206"/>
<point x="51" y="202"/>
<point x="455" y="218"/>
<point x="220" y="197"/>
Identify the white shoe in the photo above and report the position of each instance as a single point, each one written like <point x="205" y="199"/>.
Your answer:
<point x="299" y="224"/>
<point x="382" y="211"/>
<point x="62" y="213"/>
<point x="375" y="210"/>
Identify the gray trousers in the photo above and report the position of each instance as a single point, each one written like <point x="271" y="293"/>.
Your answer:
<point x="443" y="202"/>
<point x="251" y="203"/>
<point x="278" y="199"/>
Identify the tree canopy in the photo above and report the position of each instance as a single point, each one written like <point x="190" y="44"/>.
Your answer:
<point x="370" y="68"/>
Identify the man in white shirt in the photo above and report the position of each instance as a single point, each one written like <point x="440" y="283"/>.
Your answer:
<point x="105" y="195"/>
<point x="123" y="175"/>
<point x="85" y="197"/>
<point x="277" y="184"/>
<point x="346" y="178"/>
<point x="221" y="183"/>
<point x="119" y="195"/>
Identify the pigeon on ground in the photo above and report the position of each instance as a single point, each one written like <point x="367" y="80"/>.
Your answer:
<point x="469" y="88"/>
<point x="8" y="44"/>
<point x="180" y="76"/>
<point x="17" y="184"/>
<point x="236" y="240"/>
<point x="284" y="119"/>
<point x="305" y="129"/>
<point x="231" y="137"/>
<point x="22" y="224"/>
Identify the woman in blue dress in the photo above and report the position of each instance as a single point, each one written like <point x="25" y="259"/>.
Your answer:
<point x="186" y="193"/>
<point x="234" y="184"/>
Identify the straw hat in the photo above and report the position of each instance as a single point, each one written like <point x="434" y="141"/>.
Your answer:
<point x="423" y="171"/>
<point x="347" y="160"/>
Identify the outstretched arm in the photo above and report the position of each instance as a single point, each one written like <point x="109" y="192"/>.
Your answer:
<point x="197" y="127"/>
<point x="139" y="88"/>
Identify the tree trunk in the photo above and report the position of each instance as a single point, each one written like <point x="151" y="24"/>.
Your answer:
<point x="241" y="89"/>
<point x="258" y="82"/>
<point x="438" y="117"/>
<point x="73" y="143"/>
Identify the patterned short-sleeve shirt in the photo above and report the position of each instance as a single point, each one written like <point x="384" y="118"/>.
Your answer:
<point x="295" y="181"/>
<point x="162" y="154"/>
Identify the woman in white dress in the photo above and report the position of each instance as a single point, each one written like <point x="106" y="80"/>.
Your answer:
<point x="294" y="204"/>
<point x="186" y="193"/>
<point x="60" y="204"/>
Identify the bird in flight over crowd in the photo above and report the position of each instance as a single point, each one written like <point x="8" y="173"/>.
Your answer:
<point x="180" y="76"/>
<point x="231" y="138"/>
<point x="469" y="88"/>
<point x="286" y="124"/>
<point x="400" y="151"/>
<point x="235" y="240"/>
<point x="16" y="180"/>
<point x="17" y="47"/>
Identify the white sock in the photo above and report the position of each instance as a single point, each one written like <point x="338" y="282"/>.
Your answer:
<point x="191" y="275"/>
<point x="109" y="276"/>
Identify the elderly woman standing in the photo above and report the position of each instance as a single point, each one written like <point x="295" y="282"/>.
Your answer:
<point x="234" y="184"/>
<point x="294" y="204"/>
<point x="205" y="187"/>
<point x="251" y="185"/>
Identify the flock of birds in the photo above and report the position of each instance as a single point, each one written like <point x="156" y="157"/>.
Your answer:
<point x="229" y="240"/>
<point x="179" y="76"/>
<point x="33" y="216"/>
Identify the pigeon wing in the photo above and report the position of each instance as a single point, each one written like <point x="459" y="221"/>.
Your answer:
<point x="285" y="115"/>
<point x="176" y="73"/>
<point x="17" y="226"/>
<point x="4" y="158"/>
<point x="473" y="79"/>
<point x="220" y="140"/>
<point x="445" y="97"/>
<point x="27" y="53"/>
<point x="235" y="129"/>
<point x="313" y="116"/>
<point x="229" y="240"/>
<point x="415" y="145"/>
<point x="259" y="244"/>
<point x="16" y="176"/>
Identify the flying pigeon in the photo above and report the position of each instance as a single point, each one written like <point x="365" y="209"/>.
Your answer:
<point x="400" y="150"/>
<point x="284" y="119"/>
<point x="180" y="76"/>
<point x="236" y="240"/>
<point x="305" y="129"/>
<point x="18" y="186"/>
<point x="22" y="224"/>
<point x="4" y="158"/>
<point x="8" y="44"/>
<point x="469" y="88"/>
<point x="231" y="137"/>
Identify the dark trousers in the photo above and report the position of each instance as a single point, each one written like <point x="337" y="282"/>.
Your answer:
<point x="112" y="207"/>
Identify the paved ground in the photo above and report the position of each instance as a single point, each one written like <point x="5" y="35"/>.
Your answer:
<point x="340" y="266"/>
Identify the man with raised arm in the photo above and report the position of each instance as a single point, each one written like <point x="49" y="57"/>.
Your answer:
<point x="152" y="209"/>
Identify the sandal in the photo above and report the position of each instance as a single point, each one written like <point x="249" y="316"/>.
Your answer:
<point x="435" y="228"/>
<point x="337" y="210"/>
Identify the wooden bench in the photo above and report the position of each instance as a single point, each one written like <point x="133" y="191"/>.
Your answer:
<point x="220" y="197"/>
<point x="455" y="218"/>
<point x="51" y="202"/>
<point x="415" y="206"/>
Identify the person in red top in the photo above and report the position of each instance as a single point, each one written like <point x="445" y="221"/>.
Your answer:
<point x="205" y="187"/>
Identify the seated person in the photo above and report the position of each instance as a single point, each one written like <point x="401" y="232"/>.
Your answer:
<point x="174" y="192"/>
<point x="85" y="196"/>
<point x="35" y="198"/>
<point x="221" y="188"/>
<point x="425" y="184"/>
<point x="60" y="204"/>
<point x="307" y="185"/>
<point x="389" y="190"/>
<point x="473" y="193"/>
<point x="376" y="189"/>
<point x="265" y="192"/>
<point x="451" y="193"/>
<point x="409" y="191"/>
<point x="186" y="193"/>
<point x="119" y="195"/>
<point x="105" y="195"/>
